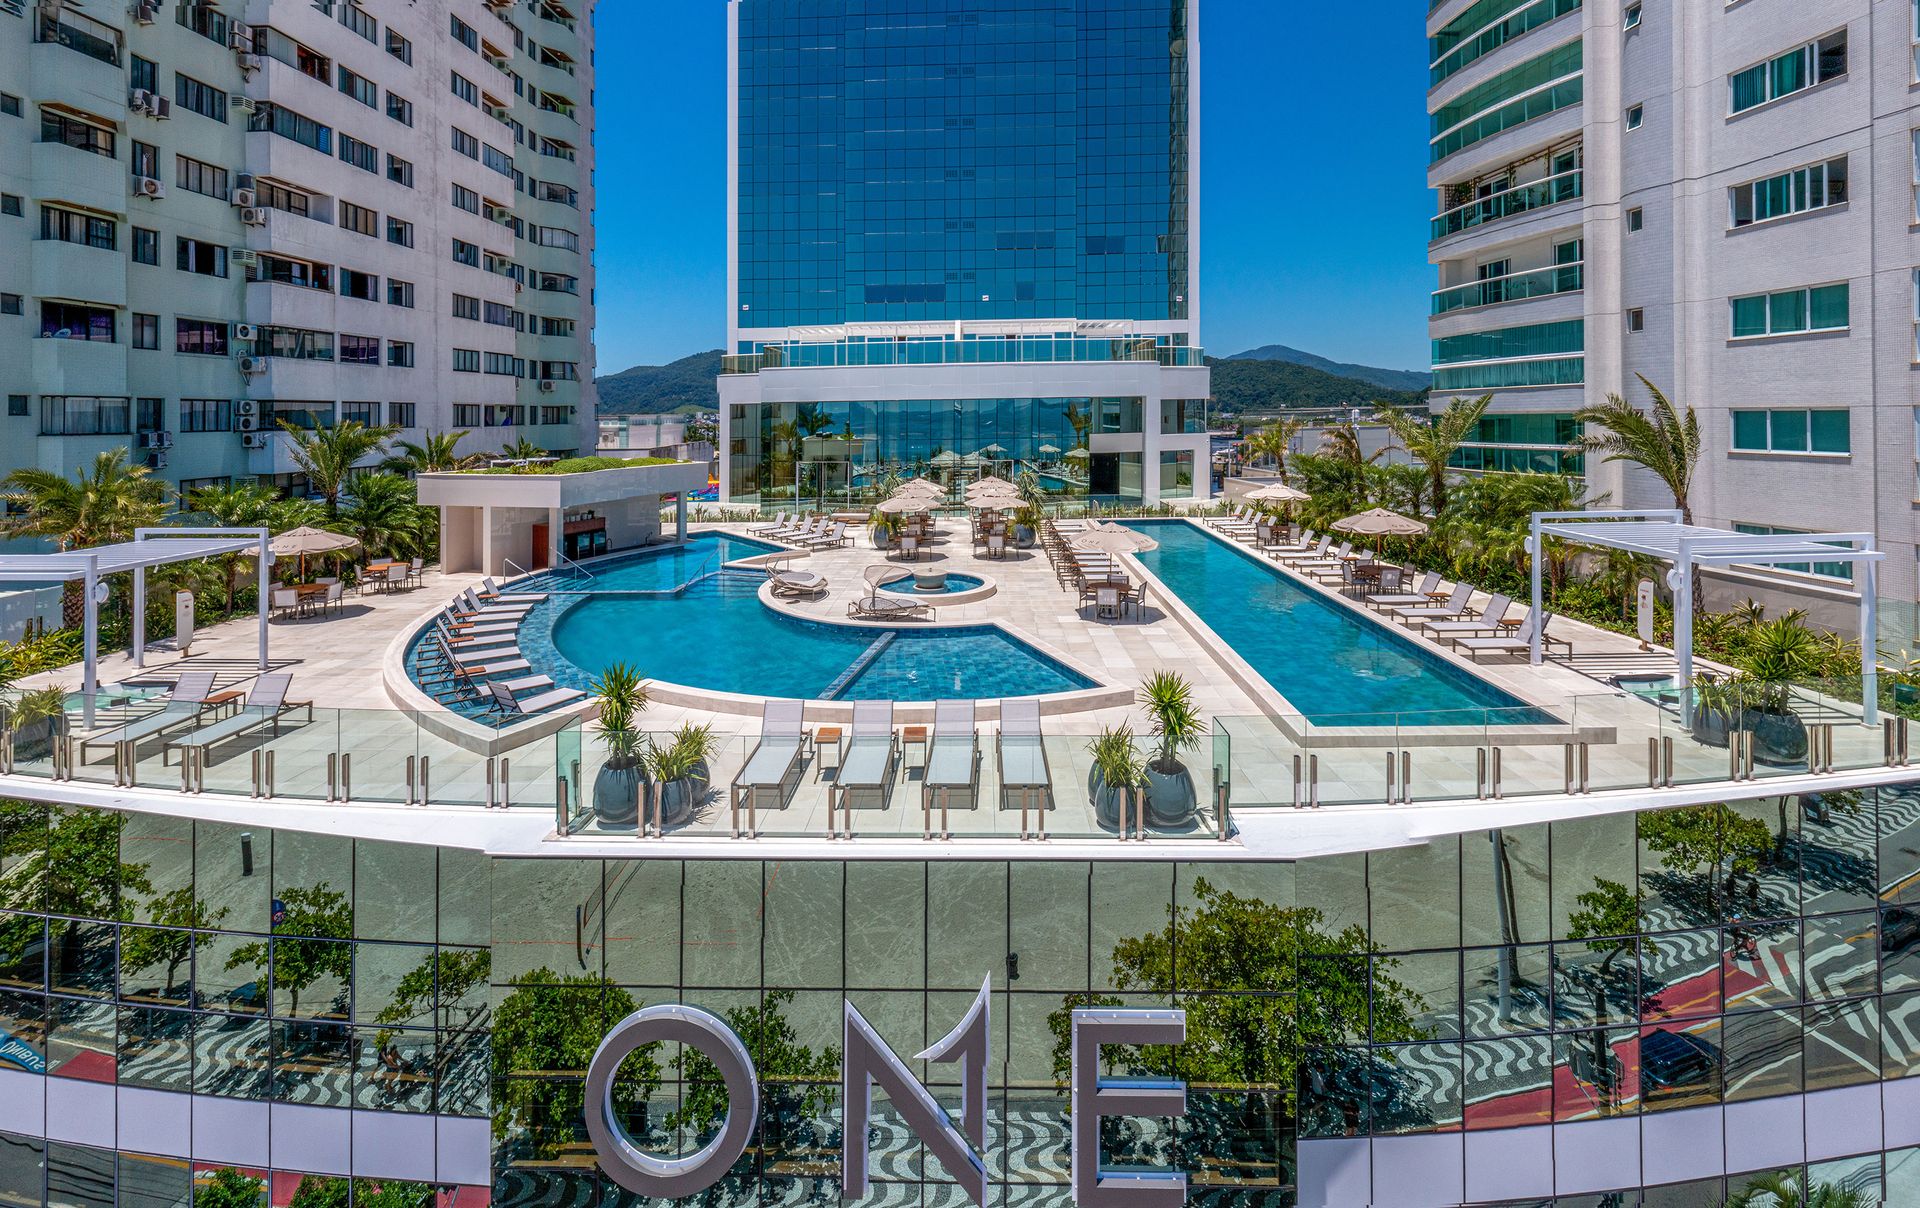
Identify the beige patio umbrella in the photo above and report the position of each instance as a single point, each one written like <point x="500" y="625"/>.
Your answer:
<point x="994" y="501"/>
<point x="992" y="486"/>
<point x="946" y="457"/>
<point x="1278" y="492"/>
<point x="298" y="543"/>
<point x="1114" y="539"/>
<point x="924" y="491"/>
<point x="1049" y="450"/>
<point x="904" y="505"/>
<point x="1380" y="522"/>
<point x="1077" y="454"/>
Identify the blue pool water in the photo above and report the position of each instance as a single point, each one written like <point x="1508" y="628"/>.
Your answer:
<point x="955" y="583"/>
<point x="649" y="612"/>
<point x="1337" y="668"/>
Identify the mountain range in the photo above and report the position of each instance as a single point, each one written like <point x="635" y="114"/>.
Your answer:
<point x="1272" y="378"/>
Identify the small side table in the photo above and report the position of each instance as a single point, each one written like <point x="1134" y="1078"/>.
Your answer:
<point x="915" y="736"/>
<point x="822" y="736"/>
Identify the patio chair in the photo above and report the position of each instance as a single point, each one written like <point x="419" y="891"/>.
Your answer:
<point x="834" y="537"/>
<point x="266" y="703"/>
<point x="396" y="577"/>
<point x="997" y="545"/>
<point x="504" y="699"/>
<point x="417" y="572"/>
<point x="469" y="674"/>
<point x="1318" y="551"/>
<point x="1422" y="592"/>
<point x="285" y="601"/>
<point x="775" y="761"/>
<point x="336" y="597"/>
<point x="953" y="757"/>
<point x="1330" y="561"/>
<point x="1021" y="752"/>
<point x="1282" y="544"/>
<point x="185" y="703"/>
<point x="795" y="584"/>
<point x="868" y="762"/>
<point x="1487" y="622"/>
<point x="1454" y="608"/>
<point x="490" y="593"/>
<point x="1520" y="641"/>
<point x="804" y="534"/>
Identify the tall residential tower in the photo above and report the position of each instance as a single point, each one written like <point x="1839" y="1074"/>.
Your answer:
<point x="218" y="218"/>
<point x="963" y="240"/>
<point x="1719" y="197"/>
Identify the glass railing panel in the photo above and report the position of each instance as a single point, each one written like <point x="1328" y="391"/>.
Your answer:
<point x="451" y="773"/>
<point x="1517" y="287"/>
<point x="526" y="776"/>
<point x="567" y="783"/>
<point x="1509" y="203"/>
<point x="383" y="749"/>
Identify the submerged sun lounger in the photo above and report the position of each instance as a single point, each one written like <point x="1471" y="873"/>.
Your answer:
<point x="1022" y="755"/>
<point x="469" y="673"/>
<point x="775" y="762"/>
<point x="505" y="700"/>
<point x="953" y="757"/>
<point x="490" y="593"/>
<point x="185" y="703"/>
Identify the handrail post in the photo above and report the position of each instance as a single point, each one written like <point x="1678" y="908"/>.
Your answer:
<point x="561" y="804"/>
<point x="333" y="774"/>
<point x="1406" y="777"/>
<point x="1223" y="812"/>
<point x="269" y="775"/>
<point x="506" y="783"/>
<point x="1297" y="782"/>
<point x="1480" y="773"/>
<point x="1498" y="791"/>
<point x="1586" y="767"/>
<point x="489" y="782"/>
<point x="426" y="779"/>
<point x="1666" y="751"/>
<point x="412" y="760"/>
<point x="1653" y="763"/>
<point x="1313" y="781"/>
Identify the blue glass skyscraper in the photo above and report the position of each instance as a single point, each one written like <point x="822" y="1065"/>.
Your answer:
<point x="963" y="241"/>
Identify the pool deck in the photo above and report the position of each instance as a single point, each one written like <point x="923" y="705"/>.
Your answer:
<point x="336" y="662"/>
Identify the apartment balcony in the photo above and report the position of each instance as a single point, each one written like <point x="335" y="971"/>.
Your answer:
<point x="293" y="235"/>
<point x="1510" y="203"/>
<point x="78" y="272"/>
<point x="63" y="173"/>
<point x="79" y="367"/>
<point x="1514" y="287"/>
<point x="78" y="67"/>
<point x="269" y="154"/>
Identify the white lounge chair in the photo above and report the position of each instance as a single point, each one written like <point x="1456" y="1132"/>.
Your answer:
<point x="1487" y="622"/>
<point x="185" y="703"/>
<point x="490" y="593"/>
<point x="1520" y="641"/>
<point x="266" y="703"/>
<point x="834" y="536"/>
<point x="953" y="756"/>
<point x="779" y="522"/>
<point x="1021" y="752"/>
<point x="505" y="700"/>
<point x="1319" y="550"/>
<point x="1454" y="608"/>
<point x="775" y="762"/>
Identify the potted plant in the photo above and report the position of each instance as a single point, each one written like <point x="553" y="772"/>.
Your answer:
<point x="38" y="716"/>
<point x="623" y="777"/>
<point x="1028" y="516"/>
<point x="1178" y="727"/>
<point x="1116" y="770"/>
<point x="883" y="527"/>
<point x="1779" y="653"/>
<point x="680" y="771"/>
<point x="1716" y="706"/>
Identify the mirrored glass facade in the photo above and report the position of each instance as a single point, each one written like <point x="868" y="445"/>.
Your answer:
<point x="905" y="160"/>
<point x="1624" y="966"/>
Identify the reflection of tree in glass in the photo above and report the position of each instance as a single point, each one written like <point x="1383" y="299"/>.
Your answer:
<point x="1608" y="918"/>
<point x="1788" y="1189"/>
<point x="544" y="1034"/>
<point x="70" y="867"/>
<point x="1301" y="988"/>
<point x="1710" y="839"/>
<point x="319" y="1192"/>
<point x="437" y="988"/>
<point x="147" y="947"/>
<point x="797" y="1089"/>
<point x="229" y="1188"/>
<point x="304" y="950"/>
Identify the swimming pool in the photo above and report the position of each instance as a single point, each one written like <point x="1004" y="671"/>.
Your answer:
<point x="675" y="615"/>
<point x="1336" y="668"/>
<point x="956" y="583"/>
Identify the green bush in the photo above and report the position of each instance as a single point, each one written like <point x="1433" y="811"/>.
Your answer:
<point x="579" y="465"/>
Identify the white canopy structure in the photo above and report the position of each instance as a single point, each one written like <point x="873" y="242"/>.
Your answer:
<point x="150" y="548"/>
<point x="1664" y="535"/>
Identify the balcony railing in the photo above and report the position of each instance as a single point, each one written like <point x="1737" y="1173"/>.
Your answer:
<point x="76" y="31"/>
<point x="1515" y="287"/>
<point x="1509" y="203"/>
<point x="987" y="350"/>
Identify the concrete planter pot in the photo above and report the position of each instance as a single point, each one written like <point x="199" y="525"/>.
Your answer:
<point x="1170" y="796"/>
<point x="679" y="798"/>
<point x="1106" y="800"/>
<point x="618" y="789"/>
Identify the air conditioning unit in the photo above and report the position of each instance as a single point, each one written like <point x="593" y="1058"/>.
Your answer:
<point x="248" y="61"/>
<point x="144" y="11"/>
<point x="244" y="180"/>
<point x="240" y="102"/>
<point x="242" y="257"/>
<point x="253" y="365"/>
<point x="546" y="386"/>
<point x="157" y="461"/>
<point x="166" y="439"/>
<point x="162" y="108"/>
<point x="242" y="199"/>
<point x="149" y="440"/>
<point x="248" y="408"/>
<point x="147" y="186"/>
<point x="245" y="331"/>
<point x="141" y="101"/>
<point x="253" y="216"/>
<point x="254" y="440"/>
<point x="240" y="35"/>
<point x="249" y="424"/>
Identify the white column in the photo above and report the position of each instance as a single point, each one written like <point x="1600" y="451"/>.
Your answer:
<point x="139" y="616"/>
<point x="556" y="536"/>
<point x="486" y="542"/>
<point x="1150" y="409"/>
<point x="1683" y="628"/>
<point x="1534" y="551"/>
<point x="680" y="516"/>
<point x="265" y="602"/>
<point x="90" y="631"/>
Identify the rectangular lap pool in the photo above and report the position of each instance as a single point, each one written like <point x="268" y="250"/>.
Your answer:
<point x="1335" y="667"/>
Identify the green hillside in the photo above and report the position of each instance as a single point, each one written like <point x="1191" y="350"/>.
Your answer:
<point x="1244" y="387"/>
<point x="685" y="385"/>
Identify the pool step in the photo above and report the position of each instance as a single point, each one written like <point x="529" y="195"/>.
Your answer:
<point x="858" y="665"/>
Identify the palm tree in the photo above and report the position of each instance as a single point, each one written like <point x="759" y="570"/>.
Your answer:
<point x="386" y="516"/>
<point x="1784" y="1189"/>
<point x="98" y="506"/>
<point x="523" y="449"/>
<point x="328" y="455"/>
<point x="1276" y="441"/>
<point x="433" y="455"/>
<point x="1433" y="440"/>
<point x="235" y="505"/>
<point x="1665" y="442"/>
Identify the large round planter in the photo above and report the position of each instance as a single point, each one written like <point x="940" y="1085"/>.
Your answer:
<point x="1170" y="796"/>
<point x="1105" y="799"/>
<point x="33" y="742"/>
<point x="1711" y="726"/>
<point x="617" y="791"/>
<point x="1023" y="537"/>
<point x="1778" y="738"/>
<point x="679" y="798"/>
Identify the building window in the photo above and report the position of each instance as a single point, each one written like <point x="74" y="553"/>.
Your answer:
<point x="400" y="109"/>
<point x="195" y="256"/>
<point x="465" y="198"/>
<point x="58" y="127"/>
<point x="1636" y="320"/>
<point x="199" y="337"/>
<point x="466" y="360"/>
<point x="1635" y="115"/>
<point x="463" y="142"/>
<point x="1631" y="18"/>
<point x="206" y="415"/>
<point x="74" y="321"/>
<point x="11" y="304"/>
<point x="1813" y="187"/>
<point x="359" y="350"/>
<point x="11" y="107"/>
<point x="205" y="179"/>
<point x="17" y="406"/>
<point x="465" y="307"/>
<point x="363" y="156"/>
<point x="1825" y="570"/>
<point x="463" y="34"/>
<point x="465" y="90"/>
<point x="149" y="414"/>
<point x="366" y="415"/>
<point x="399" y="47"/>
<point x="400" y="293"/>
<point x="12" y="205"/>
<point x="279" y="197"/>
<point x="359" y="87"/>
<point x="401" y="415"/>
<point x="399" y="171"/>
<point x="146" y="160"/>
<point x="466" y="415"/>
<point x="280" y="120"/>
<point x="77" y="415"/>
<point x="1792" y="430"/>
<point x="356" y="284"/>
<point x="1791" y="312"/>
<point x="400" y="355"/>
<point x="203" y="99"/>
<point x="285" y="270"/>
<point x="466" y="253"/>
<point x="146" y="246"/>
<point x="69" y="226"/>
<point x="295" y="344"/>
<point x="359" y="219"/>
<point x="1636" y="220"/>
<point x="146" y="332"/>
<point x="399" y="232"/>
<point x="359" y="21"/>
<point x="1799" y="69"/>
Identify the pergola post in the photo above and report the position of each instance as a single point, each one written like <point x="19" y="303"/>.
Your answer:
<point x="265" y="602"/>
<point x="90" y="637"/>
<point x="1683" y="627"/>
<point x="1869" y="642"/>
<point x="139" y="616"/>
<point x="1535" y="548"/>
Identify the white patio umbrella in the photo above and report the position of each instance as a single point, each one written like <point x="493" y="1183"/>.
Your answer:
<point x="946" y="457"/>
<point x="981" y="486"/>
<point x="994" y="501"/>
<point x="1077" y="454"/>
<point x="1114" y="539"/>
<point x="1380" y="522"/>
<point x="1278" y="492"/>
<point x="992" y="451"/>
<point x="904" y="505"/>
<point x="1049" y="450"/>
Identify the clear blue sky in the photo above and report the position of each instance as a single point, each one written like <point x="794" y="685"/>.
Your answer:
<point x="1313" y="211"/>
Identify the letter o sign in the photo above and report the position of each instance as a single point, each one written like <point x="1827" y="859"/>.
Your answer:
<point x="670" y="1178"/>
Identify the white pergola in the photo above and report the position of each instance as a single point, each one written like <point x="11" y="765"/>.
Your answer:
<point x="150" y="548"/>
<point x="1664" y="535"/>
